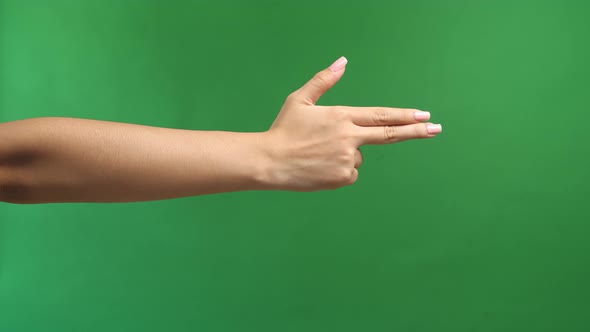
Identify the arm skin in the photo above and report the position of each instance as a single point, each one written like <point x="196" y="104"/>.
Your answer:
<point x="308" y="147"/>
<point x="77" y="160"/>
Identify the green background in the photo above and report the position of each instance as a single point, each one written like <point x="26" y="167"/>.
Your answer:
<point x="484" y="228"/>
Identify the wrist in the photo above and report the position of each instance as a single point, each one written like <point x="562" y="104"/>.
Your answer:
<point x="265" y="176"/>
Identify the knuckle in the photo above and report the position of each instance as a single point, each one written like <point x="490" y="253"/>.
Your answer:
<point x="353" y="177"/>
<point x="349" y="157"/>
<point x="389" y="133"/>
<point x="341" y="177"/>
<point x="381" y="116"/>
<point x="346" y="134"/>
<point x="358" y="158"/>
<point x="292" y="96"/>
<point x="320" y="79"/>
<point x="351" y="133"/>
<point x="339" y="113"/>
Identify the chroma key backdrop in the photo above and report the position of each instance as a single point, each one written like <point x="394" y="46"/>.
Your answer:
<point x="483" y="228"/>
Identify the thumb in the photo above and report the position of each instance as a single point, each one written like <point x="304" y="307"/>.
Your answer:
<point x="311" y="92"/>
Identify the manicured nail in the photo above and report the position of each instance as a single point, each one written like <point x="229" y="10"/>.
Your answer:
<point x="421" y="116"/>
<point x="433" y="128"/>
<point x="339" y="64"/>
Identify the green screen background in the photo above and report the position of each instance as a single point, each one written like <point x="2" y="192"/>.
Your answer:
<point x="484" y="228"/>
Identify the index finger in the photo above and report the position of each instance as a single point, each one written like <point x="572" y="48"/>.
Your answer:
<point x="384" y="116"/>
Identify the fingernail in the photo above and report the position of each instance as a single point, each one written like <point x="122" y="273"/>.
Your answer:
<point x="421" y="116"/>
<point x="433" y="128"/>
<point x="339" y="64"/>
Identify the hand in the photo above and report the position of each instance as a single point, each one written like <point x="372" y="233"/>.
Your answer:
<point x="317" y="147"/>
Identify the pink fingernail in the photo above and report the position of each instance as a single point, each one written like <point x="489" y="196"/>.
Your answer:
<point x="421" y="116"/>
<point x="433" y="128"/>
<point x="339" y="64"/>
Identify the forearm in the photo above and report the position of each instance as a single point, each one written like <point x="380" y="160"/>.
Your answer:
<point x="78" y="160"/>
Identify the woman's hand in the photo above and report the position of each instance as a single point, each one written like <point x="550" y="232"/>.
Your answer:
<point x="317" y="147"/>
<point x="308" y="147"/>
